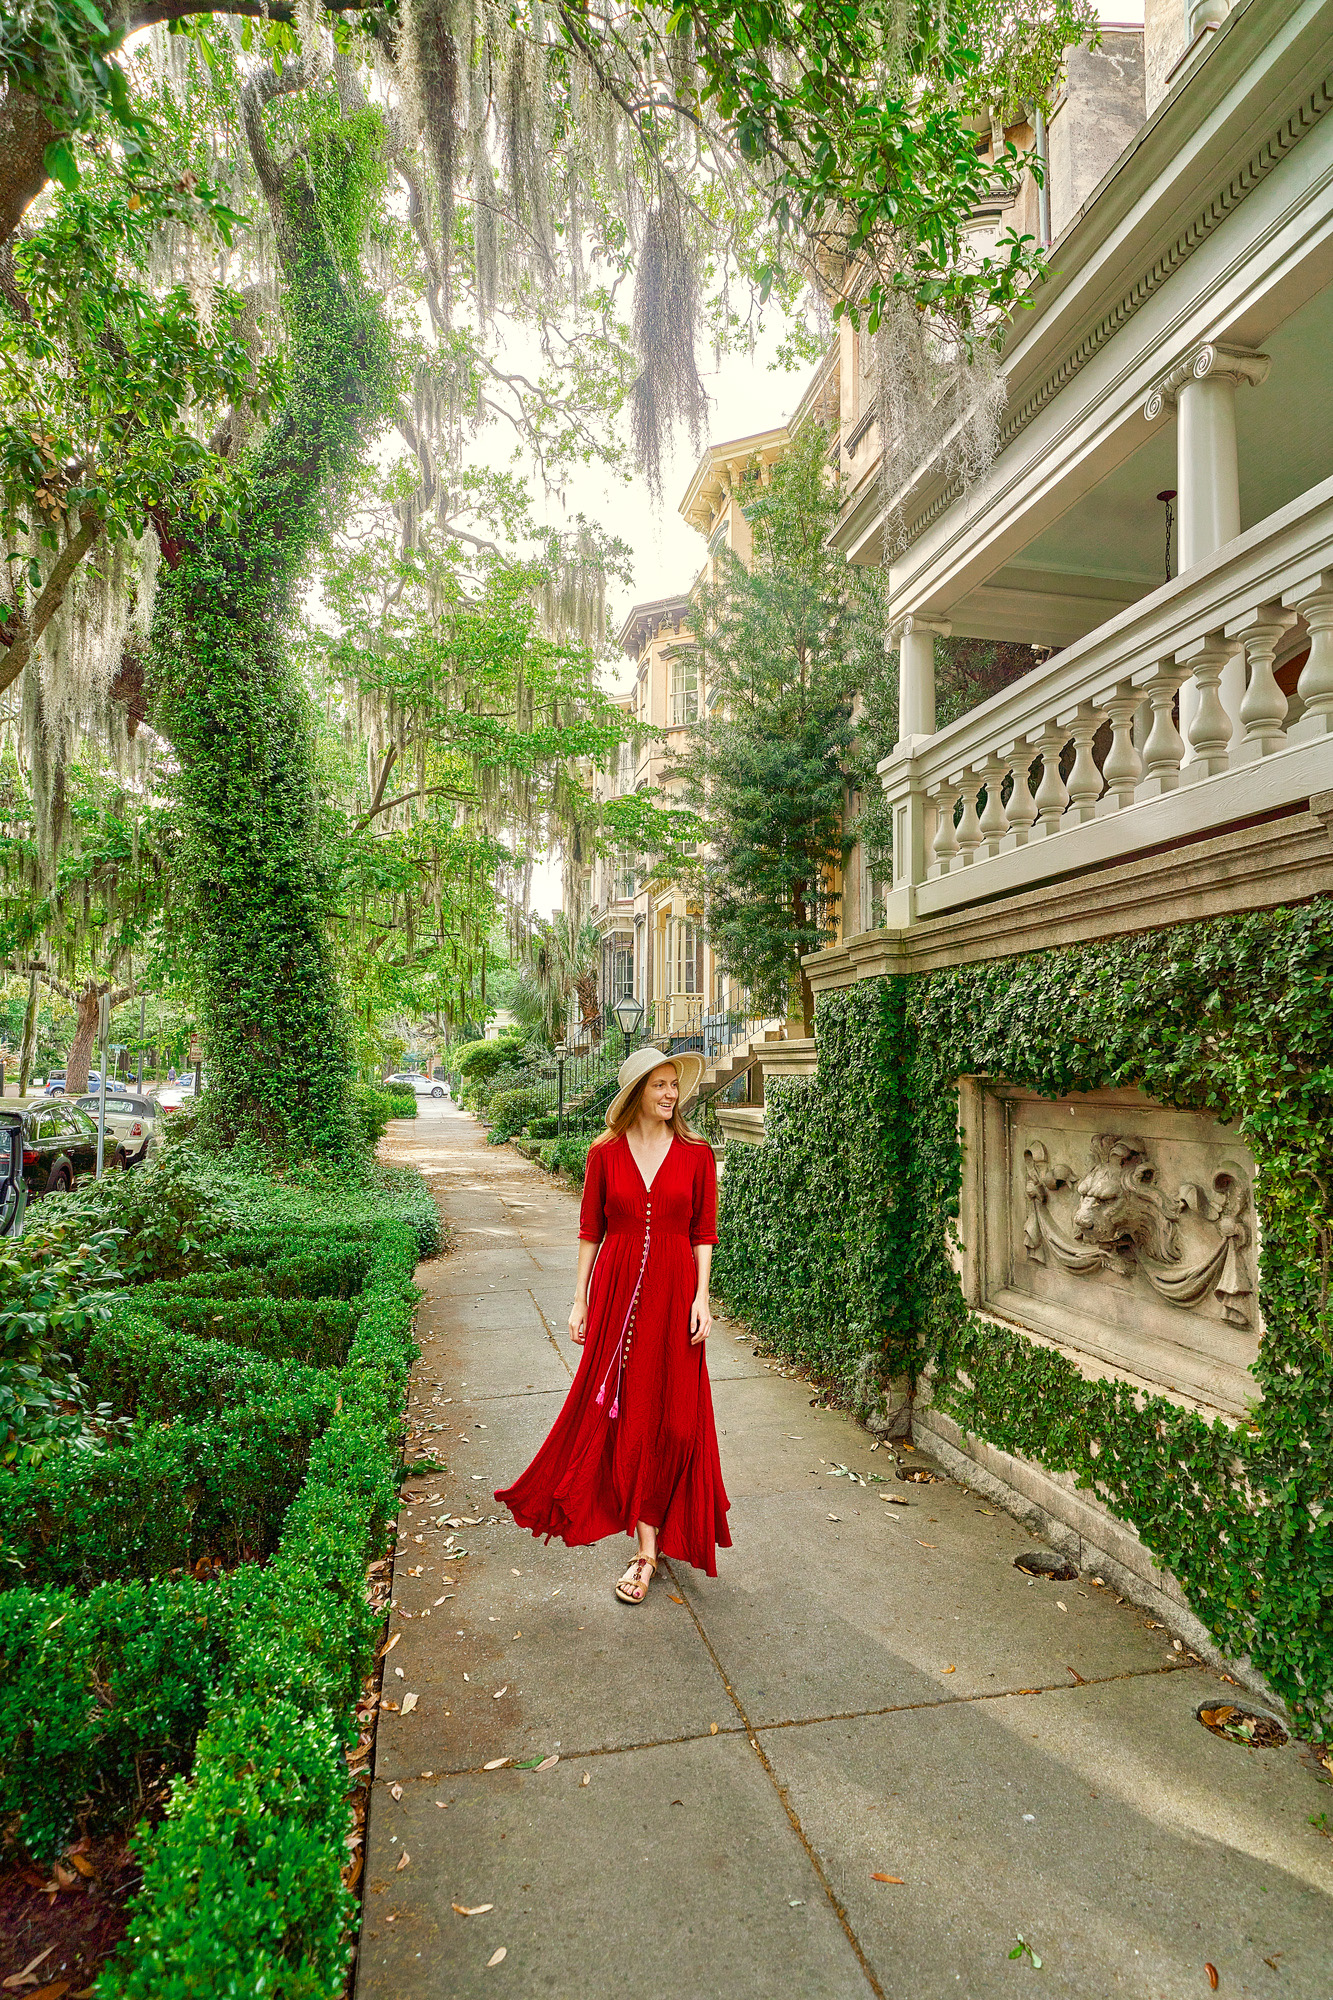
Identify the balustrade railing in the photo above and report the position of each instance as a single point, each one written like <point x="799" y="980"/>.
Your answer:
<point x="1166" y="723"/>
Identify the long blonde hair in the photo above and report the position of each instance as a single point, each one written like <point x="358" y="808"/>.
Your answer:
<point x="629" y="1111"/>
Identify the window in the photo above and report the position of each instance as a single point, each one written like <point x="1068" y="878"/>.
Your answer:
<point x="625" y="768"/>
<point x="689" y="952"/>
<point x="622" y="974"/>
<point x="684" y="690"/>
<point x="626" y="883"/>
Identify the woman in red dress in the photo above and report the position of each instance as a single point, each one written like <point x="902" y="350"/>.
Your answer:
<point x="634" y="1450"/>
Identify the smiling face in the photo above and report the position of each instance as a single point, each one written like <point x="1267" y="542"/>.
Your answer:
<point x="661" y="1092"/>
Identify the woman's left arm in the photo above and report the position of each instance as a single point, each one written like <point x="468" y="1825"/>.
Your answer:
<point x="701" y="1319"/>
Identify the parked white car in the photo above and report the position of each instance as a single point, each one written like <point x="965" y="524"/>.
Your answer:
<point x="424" y="1086"/>
<point x="132" y="1125"/>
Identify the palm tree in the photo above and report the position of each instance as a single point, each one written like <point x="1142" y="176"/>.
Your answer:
<point x="561" y="959"/>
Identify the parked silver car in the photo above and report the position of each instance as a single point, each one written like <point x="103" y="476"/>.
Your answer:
<point x="132" y="1125"/>
<point x="424" y="1086"/>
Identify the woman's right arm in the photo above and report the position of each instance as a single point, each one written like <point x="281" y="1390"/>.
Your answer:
<point x="578" y="1312"/>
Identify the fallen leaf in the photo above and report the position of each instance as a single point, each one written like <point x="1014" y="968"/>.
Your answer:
<point x="586" y="1779"/>
<point x="395" y="1791"/>
<point x="674" y="1599"/>
<point x="442" y="1600"/>
<point x="495" y="1957"/>
<point x="389" y="1645"/>
<point x="403" y="1860"/>
<point x="84" y="1865"/>
<point x="1211" y="1970"/>
<point x="500" y="1691"/>
<point x="473" y="1910"/>
<point x="890" y="1878"/>
<point x="712" y="1729"/>
<point x="835" y="1517"/>
<point x="548" y="1763"/>
<point x="64" y="1876"/>
<point x="951" y="1670"/>
<point x="924" y="1545"/>
<point x="26" y="1978"/>
<point x="496" y="1764"/>
<point x="1060" y="1605"/>
<point x="55" y="1991"/>
<point x="409" y="1703"/>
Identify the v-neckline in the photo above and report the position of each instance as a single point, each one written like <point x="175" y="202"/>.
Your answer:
<point x="647" y="1186"/>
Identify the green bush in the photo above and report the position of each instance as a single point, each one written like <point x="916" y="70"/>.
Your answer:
<point x="98" y="1694"/>
<point x="161" y="1376"/>
<point x="402" y="1101"/>
<point x="371" y="1112"/>
<point x="170" y="1494"/>
<point x="510" y="1111"/>
<point x="242" y="1885"/>
<point x="317" y="1332"/>
<point x="475" y="1062"/>
<point x="168" y="1215"/>
<point x="571" y="1155"/>
<point x="53" y="1289"/>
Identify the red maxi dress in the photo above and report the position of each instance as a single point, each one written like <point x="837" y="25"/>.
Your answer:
<point x="635" y="1440"/>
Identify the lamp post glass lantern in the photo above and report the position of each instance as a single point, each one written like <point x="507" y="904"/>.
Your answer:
<point x="629" y="1015"/>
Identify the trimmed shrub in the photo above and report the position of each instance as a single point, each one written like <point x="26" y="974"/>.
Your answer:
<point x="97" y="1694"/>
<point x="219" y="1487"/>
<point x="402" y="1101"/>
<point x="161" y="1376"/>
<point x="317" y="1332"/>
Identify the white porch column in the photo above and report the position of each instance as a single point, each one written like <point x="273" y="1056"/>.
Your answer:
<point x="1203" y="389"/>
<point x="915" y="641"/>
<point x="915" y="636"/>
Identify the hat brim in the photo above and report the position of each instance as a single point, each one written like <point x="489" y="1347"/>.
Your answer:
<point x="689" y="1068"/>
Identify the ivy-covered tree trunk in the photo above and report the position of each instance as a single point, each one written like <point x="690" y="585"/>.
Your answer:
<point x="28" y="1046"/>
<point x="275" y="1029"/>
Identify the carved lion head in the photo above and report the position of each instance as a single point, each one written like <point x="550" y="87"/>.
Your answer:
<point x="1118" y="1203"/>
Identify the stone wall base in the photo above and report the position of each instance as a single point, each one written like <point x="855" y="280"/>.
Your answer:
<point x="1076" y="1523"/>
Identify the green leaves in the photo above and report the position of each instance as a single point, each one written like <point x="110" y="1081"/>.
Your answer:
<point x="60" y="163"/>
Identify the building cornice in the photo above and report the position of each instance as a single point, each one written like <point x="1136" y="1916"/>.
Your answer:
<point x="1144" y="170"/>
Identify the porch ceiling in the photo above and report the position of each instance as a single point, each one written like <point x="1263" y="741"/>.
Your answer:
<point x="1108" y="549"/>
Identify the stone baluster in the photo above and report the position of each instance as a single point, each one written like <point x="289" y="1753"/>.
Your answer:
<point x="1263" y="712"/>
<point x="1123" y="767"/>
<point x="1210" y="727"/>
<point x="994" y="820"/>
<point x="1051" y="796"/>
<point x="1164" y="751"/>
<point x="1021" y="810"/>
<point x="1085" y="780"/>
<point x="1314" y="601"/>
<point x="945" y="844"/>
<point x="969" y="826"/>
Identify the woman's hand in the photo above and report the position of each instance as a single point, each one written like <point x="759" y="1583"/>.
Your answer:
<point x="701" y="1320"/>
<point x="578" y="1321"/>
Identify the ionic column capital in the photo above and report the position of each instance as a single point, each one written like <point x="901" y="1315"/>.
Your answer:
<point x="1214" y="357"/>
<point x="917" y="621"/>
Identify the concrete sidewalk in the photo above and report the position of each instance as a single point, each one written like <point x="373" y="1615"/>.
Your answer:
<point x="865" y="1691"/>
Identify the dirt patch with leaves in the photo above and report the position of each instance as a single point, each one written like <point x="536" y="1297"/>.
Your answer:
<point x="60" y="1924"/>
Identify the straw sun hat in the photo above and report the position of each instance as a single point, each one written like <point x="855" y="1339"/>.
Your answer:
<point x="688" y="1066"/>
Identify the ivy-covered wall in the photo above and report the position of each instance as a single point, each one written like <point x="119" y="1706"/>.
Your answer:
<point x="836" y="1232"/>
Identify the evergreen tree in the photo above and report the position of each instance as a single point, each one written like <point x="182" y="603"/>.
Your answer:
<point x="782" y="644"/>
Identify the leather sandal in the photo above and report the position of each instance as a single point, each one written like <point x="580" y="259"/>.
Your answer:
<point x="634" y="1579"/>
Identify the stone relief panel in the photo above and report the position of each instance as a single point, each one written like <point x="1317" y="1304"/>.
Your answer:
<point x="1119" y="1229"/>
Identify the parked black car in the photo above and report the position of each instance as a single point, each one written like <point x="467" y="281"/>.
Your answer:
<point x="59" y="1144"/>
<point x="11" y="1169"/>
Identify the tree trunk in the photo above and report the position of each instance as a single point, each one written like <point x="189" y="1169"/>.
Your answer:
<point x="25" y="133"/>
<point x="28" y="1046"/>
<point x="85" y="1037"/>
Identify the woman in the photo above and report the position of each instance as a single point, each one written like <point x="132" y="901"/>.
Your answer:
<point x="634" y="1449"/>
